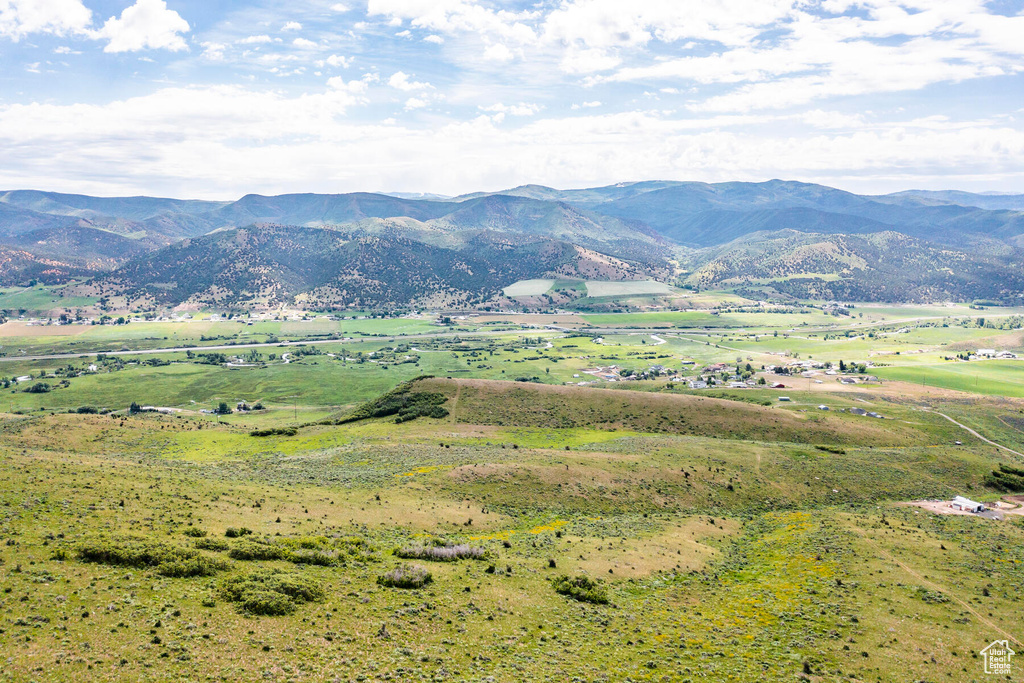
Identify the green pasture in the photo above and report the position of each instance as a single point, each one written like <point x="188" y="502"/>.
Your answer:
<point x="991" y="377"/>
<point x="39" y="299"/>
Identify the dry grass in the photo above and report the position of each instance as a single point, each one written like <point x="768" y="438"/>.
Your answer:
<point x="689" y="544"/>
<point x="553" y="406"/>
<point x="15" y="329"/>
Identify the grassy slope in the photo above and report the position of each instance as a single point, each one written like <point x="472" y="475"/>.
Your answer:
<point x="522" y="404"/>
<point x="733" y="549"/>
<point x="696" y="569"/>
<point x="996" y="378"/>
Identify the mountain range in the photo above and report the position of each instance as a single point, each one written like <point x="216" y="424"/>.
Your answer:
<point x="781" y="238"/>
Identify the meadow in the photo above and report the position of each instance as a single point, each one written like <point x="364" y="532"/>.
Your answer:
<point x="627" y="530"/>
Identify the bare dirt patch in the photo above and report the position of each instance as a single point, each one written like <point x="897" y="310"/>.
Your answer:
<point x="942" y="507"/>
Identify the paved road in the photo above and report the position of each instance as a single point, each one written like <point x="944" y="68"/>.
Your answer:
<point x="974" y="433"/>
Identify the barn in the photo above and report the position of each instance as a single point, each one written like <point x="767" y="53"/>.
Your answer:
<point x="967" y="505"/>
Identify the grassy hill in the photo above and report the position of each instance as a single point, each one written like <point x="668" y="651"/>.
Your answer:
<point x="525" y="404"/>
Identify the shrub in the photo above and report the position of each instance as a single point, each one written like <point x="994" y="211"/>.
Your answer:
<point x="930" y="596"/>
<point x="193" y="566"/>
<point x="87" y="410"/>
<point x="214" y="544"/>
<point x="232" y="532"/>
<point x="271" y="592"/>
<point x="254" y="550"/>
<point x="403" y="403"/>
<point x="406" y="576"/>
<point x="265" y="603"/>
<point x="445" y="553"/>
<point x="581" y="588"/>
<point x="194" y="532"/>
<point x="166" y="559"/>
<point x="39" y="388"/>
<point x="276" y="431"/>
<point x="1007" y="478"/>
<point x="321" y="558"/>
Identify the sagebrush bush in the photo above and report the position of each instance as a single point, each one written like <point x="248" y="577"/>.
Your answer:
<point x="581" y="588"/>
<point x="271" y="592"/>
<point x="256" y="551"/>
<point x="265" y="603"/>
<point x="145" y="554"/>
<point x="214" y="544"/>
<point x="275" y="431"/>
<point x="193" y="566"/>
<point x="321" y="558"/>
<point x="444" y="553"/>
<point x="194" y="532"/>
<point x="232" y="532"/>
<point x="406" y="576"/>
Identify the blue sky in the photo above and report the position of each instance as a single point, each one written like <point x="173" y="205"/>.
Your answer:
<point x="215" y="99"/>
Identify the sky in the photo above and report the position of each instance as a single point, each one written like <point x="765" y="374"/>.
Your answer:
<point x="215" y="99"/>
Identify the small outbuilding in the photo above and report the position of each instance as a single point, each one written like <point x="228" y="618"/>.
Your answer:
<point x="967" y="505"/>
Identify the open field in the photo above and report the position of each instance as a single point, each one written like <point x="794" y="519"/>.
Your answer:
<point x="596" y="288"/>
<point x="40" y="299"/>
<point x="733" y="535"/>
<point x="528" y="288"/>
<point x="737" y="535"/>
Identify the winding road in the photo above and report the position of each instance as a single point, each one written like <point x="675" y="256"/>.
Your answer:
<point x="974" y="433"/>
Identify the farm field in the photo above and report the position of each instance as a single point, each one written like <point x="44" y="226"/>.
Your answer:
<point x="597" y="288"/>
<point x="40" y="299"/>
<point x="528" y="288"/>
<point x="992" y="377"/>
<point x="694" y="534"/>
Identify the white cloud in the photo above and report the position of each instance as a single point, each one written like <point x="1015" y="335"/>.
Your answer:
<point x="292" y="26"/>
<point x="457" y="16"/>
<point x="576" y="60"/>
<point x="400" y="81"/>
<point x="146" y="24"/>
<point x="434" y="38"/>
<point x="338" y="60"/>
<point x="213" y="51"/>
<point x="416" y="103"/>
<point x="255" y="40"/>
<point x="832" y="119"/>
<point x="339" y="7"/>
<point x="521" y="109"/>
<point x="587" y="105"/>
<point x="303" y="43"/>
<point x="225" y="141"/>
<point x="498" y="53"/>
<point x="19" y="18"/>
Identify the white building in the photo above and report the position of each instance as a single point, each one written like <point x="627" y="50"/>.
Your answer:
<point x="967" y="505"/>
